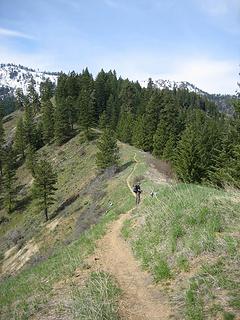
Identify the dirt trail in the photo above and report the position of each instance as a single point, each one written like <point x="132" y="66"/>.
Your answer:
<point x="141" y="300"/>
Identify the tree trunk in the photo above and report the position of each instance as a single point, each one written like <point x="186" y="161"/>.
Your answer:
<point x="46" y="213"/>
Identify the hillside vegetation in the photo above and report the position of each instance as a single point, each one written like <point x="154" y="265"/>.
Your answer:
<point x="187" y="236"/>
<point x="52" y="251"/>
<point x="65" y="251"/>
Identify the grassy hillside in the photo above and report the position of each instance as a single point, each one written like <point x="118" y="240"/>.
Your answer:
<point x="187" y="236"/>
<point x="50" y="252"/>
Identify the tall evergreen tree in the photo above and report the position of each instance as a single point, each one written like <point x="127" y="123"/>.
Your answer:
<point x="160" y="139"/>
<point x="108" y="154"/>
<point x="20" y="138"/>
<point x="46" y="90"/>
<point x="47" y="121"/>
<point x="31" y="159"/>
<point x="2" y="140"/>
<point x="150" y="122"/>
<point x="125" y="127"/>
<point x="137" y="136"/>
<point x="20" y="99"/>
<point x="44" y="185"/>
<point x="32" y="97"/>
<point x="29" y="125"/>
<point x="87" y="107"/>
<point x="9" y="172"/>
<point x="169" y="151"/>
<point x="188" y="158"/>
<point x="62" y="125"/>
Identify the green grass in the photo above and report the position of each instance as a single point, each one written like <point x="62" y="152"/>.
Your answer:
<point x="184" y="227"/>
<point x="127" y="230"/>
<point x="98" y="300"/>
<point x="26" y="293"/>
<point x="194" y="304"/>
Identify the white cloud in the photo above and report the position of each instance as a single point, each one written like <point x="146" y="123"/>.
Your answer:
<point x="42" y="60"/>
<point x="211" y="75"/>
<point x="111" y="3"/>
<point x="13" y="33"/>
<point x="220" y="7"/>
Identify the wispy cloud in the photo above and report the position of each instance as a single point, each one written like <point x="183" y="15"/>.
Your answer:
<point x="13" y="33"/>
<point x="211" y="75"/>
<point x="220" y="7"/>
<point x="111" y="3"/>
<point x="214" y="76"/>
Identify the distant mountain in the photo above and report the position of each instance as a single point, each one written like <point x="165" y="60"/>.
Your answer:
<point x="224" y="102"/>
<point x="16" y="76"/>
<point x="170" y="84"/>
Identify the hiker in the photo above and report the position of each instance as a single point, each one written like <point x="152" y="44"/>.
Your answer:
<point x="138" y="191"/>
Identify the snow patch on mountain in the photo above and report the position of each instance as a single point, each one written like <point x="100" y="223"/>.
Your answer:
<point x="13" y="77"/>
<point x="171" y="85"/>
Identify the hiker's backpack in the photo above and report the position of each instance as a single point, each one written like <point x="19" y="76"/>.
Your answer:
<point x="135" y="189"/>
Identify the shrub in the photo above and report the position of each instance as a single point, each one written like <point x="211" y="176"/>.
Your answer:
<point x="161" y="270"/>
<point x="98" y="300"/>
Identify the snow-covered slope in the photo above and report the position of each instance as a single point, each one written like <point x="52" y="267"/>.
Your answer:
<point x="13" y="77"/>
<point x="170" y="84"/>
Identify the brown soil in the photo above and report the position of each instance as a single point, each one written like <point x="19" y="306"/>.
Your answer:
<point x="15" y="260"/>
<point x="141" y="299"/>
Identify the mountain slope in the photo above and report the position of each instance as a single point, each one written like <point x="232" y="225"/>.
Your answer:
<point x="17" y="76"/>
<point x="171" y="85"/>
<point x="49" y="268"/>
<point x="13" y="77"/>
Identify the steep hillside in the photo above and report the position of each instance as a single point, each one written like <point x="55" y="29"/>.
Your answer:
<point x="77" y="265"/>
<point x="170" y="84"/>
<point x="49" y="253"/>
<point x="224" y="102"/>
<point x="14" y="76"/>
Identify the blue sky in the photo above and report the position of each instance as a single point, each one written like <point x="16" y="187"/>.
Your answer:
<point x="190" y="40"/>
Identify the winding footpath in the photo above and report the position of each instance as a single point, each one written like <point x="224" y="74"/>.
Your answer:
<point x="141" y="300"/>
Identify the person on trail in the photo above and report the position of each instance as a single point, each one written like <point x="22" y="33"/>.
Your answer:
<point x="137" y="190"/>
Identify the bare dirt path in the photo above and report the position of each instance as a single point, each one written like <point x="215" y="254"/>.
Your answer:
<point x="141" y="300"/>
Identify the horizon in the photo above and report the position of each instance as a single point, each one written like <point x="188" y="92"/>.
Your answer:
<point x="192" y="41"/>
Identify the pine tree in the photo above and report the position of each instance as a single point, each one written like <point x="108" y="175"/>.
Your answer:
<point x="103" y="122"/>
<point x="125" y="127"/>
<point x="150" y="122"/>
<point x="20" y="138"/>
<point x="1" y="143"/>
<point x="188" y="158"/>
<point x="108" y="154"/>
<point x="62" y="126"/>
<point x="46" y="90"/>
<point x="86" y="116"/>
<point x="32" y="97"/>
<point x="72" y="110"/>
<point x="29" y="125"/>
<point x="112" y="111"/>
<point x="44" y="185"/>
<point x="31" y="159"/>
<point x="169" y="152"/>
<point x="47" y="121"/>
<point x="160" y="139"/>
<point x="137" y="136"/>
<point x="20" y="99"/>
<point x="101" y="92"/>
<point x="9" y="172"/>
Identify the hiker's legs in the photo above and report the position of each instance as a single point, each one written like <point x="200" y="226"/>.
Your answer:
<point x="137" y="198"/>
